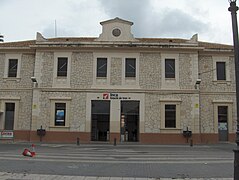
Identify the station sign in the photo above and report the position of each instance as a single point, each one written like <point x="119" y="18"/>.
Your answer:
<point x="114" y="96"/>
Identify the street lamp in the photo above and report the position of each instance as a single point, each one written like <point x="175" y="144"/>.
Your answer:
<point x="233" y="9"/>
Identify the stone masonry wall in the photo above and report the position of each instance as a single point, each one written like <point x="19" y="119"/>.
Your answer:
<point x="150" y="70"/>
<point x="19" y="88"/>
<point x="47" y="59"/>
<point x="77" y="109"/>
<point x="153" y="114"/>
<point x="116" y="71"/>
<point x="81" y="70"/>
<point x="206" y="74"/>
<point x="24" y="112"/>
<point x="185" y="71"/>
<point x="207" y="111"/>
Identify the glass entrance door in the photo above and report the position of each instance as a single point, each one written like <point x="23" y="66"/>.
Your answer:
<point x="129" y="122"/>
<point x="100" y="120"/>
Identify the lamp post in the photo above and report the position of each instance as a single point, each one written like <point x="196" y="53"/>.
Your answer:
<point x="233" y="9"/>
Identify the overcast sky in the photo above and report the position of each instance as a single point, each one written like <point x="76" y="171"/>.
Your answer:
<point x="210" y="19"/>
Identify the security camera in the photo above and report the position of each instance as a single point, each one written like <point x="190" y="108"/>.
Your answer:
<point x="198" y="81"/>
<point x="34" y="79"/>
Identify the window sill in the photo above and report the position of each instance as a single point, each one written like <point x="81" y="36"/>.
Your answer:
<point x="101" y="77"/>
<point x="222" y="82"/>
<point x="11" y="79"/>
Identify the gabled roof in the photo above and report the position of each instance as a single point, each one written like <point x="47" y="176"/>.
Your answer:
<point x="116" y="20"/>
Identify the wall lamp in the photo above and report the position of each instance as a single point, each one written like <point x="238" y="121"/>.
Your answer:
<point x="34" y="79"/>
<point x="198" y="82"/>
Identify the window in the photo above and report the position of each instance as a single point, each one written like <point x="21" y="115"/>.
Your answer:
<point x="169" y="68"/>
<point x="12" y="67"/>
<point x="170" y="116"/>
<point x="60" y="114"/>
<point x="221" y="70"/>
<point x="62" y="66"/>
<point x="130" y="67"/>
<point x="101" y="67"/>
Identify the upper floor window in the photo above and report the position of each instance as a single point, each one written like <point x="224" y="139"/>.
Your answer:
<point x="170" y="116"/>
<point x="12" y="67"/>
<point x="60" y="114"/>
<point x="169" y="68"/>
<point x="101" y="67"/>
<point x="62" y="66"/>
<point x="130" y="67"/>
<point x="221" y="70"/>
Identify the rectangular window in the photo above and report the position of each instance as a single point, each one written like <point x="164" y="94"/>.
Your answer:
<point x="9" y="116"/>
<point x="170" y="116"/>
<point x="101" y="67"/>
<point x="169" y="68"/>
<point x="62" y="66"/>
<point x="60" y="114"/>
<point x="130" y="67"/>
<point x="12" y="67"/>
<point x="221" y="71"/>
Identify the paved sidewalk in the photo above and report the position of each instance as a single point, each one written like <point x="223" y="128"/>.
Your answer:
<point x="19" y="176"/>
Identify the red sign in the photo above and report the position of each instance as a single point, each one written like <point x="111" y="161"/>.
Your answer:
<point x="106" y="96"/>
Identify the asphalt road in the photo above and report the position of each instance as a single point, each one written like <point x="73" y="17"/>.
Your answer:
<point x="157" y="161"/>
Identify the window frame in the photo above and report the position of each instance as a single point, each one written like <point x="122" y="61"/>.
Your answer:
<point x="12" y="73"/>
<point x="53" y="102"/>
<point x="169" y="111"/>
<point x="170" y="75"/>
<point x="227" y="61"/>
<point x="62" y="73"/>
<point x="177" y="103"/>
<point x="100" y="74"/>
<point x="58" y="107"/>
<point x="6" y="69"/>
<point x="127" y="73"/>
<point x="221" y="71"/>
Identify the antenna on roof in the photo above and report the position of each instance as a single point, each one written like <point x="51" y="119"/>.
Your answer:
<point x="1" y="38"/>
<point x="55" y="29"/>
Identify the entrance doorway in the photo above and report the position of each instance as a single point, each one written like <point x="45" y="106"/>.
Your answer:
<point x="129" y="121"/>
<point x="100" y="120"/>
<point x="9" y="116"/>
<point x="223" y="123"/>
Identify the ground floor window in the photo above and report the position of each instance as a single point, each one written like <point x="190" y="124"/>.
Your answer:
<point x="60" y="114"/>
<point x="170" y="116"/>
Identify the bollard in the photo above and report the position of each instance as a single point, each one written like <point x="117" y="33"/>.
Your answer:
<point x="191" y="142"/>
<point x="114" y="141"/>
<point x="78" y="141"/>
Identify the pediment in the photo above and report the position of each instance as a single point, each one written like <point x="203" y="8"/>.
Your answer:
<point x="116" y="30"/>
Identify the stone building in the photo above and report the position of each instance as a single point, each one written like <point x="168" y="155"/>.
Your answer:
<point x="116" y="86"/>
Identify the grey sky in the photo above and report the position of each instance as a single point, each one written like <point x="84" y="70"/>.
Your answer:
<point x="21" y="19"/>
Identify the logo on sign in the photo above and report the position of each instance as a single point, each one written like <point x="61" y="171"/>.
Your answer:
<point x="106" y="96"/>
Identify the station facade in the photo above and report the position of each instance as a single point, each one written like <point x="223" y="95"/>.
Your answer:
<point x="117" y="87"/>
